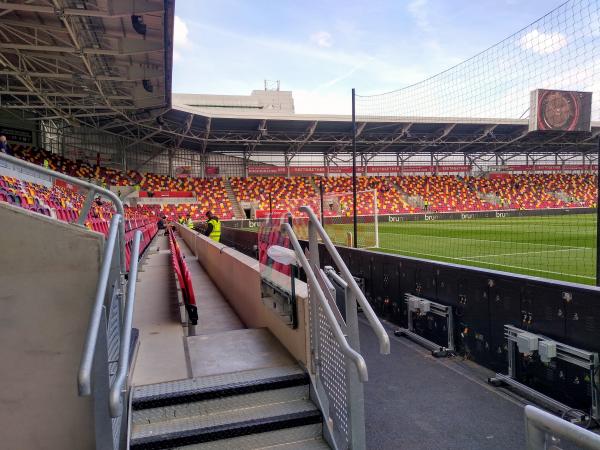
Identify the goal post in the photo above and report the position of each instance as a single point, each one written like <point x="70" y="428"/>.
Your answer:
<point x="337" y="217"/>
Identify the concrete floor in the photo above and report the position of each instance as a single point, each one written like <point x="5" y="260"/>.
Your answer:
<point x="161" y="355"/>
<point x="415" y="401"/>
<point x="222" y="343"/>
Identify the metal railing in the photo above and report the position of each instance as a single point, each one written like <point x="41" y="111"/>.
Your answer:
<point x="337" y="368"/>
<point x="544" y="430"/>
<point x="119" y="387"/>
<point x="84" y="376"/>
<point x="92" y="191"/>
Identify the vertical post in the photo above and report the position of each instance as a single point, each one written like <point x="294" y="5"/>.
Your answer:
<point x="321" y="196"/>
<point x="270" y="204"/>
<point x="376" y="218"/>
<point x="598" y="218"/>
<point x="355" y="237"/>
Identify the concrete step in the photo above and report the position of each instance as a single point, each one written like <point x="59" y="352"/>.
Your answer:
<point x="216" y="386"/>
<point x="224" y="425"/>
<point x="251" y="409"/>
<point x="221" y="403"/>
<point x="308" y="437"/>
<point x="237" y="208"/>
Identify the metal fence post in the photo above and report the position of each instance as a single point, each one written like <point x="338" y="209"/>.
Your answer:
<point x="598" y="215"/>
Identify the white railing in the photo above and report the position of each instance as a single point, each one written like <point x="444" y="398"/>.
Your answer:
<point x="337" y="368"/>
<point x="544" y="430"/>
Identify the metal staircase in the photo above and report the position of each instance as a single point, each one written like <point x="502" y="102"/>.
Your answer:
<point x="237" y="209"/>
<point x="245" y="410"/>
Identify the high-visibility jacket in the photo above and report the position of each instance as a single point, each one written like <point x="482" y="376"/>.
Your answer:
<point x="190" y="224"/>
<point x="181" y="220"/>
<point x="215" y="234"/>
<point x="46" y="163"/>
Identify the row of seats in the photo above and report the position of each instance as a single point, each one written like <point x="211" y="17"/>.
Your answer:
<point x="77" y="168"/>
<point x="396" y="194"/>
<point x="184" y="278"/>
<point x="148" y="230"/>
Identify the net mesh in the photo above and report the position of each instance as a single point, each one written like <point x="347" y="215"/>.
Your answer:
<point x="558" y="51"/>
<point x="538" y="218"/>
<point x="338" y="217"/>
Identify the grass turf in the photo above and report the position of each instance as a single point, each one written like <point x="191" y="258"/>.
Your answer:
<point x="553" y="246"/>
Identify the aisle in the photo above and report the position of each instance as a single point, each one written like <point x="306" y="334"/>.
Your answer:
<point x="161" y="355"/>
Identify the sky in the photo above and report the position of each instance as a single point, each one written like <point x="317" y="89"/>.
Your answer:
<point x="320" y="50"/>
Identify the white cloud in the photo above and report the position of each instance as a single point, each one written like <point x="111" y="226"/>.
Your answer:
<point x="322" y="39"/>
<point x="543" y="43"/>
<point x="180" y="38"/>
<point x="418" y="9"/>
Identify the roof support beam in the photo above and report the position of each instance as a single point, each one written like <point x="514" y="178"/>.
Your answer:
<point x="116" y="9"/>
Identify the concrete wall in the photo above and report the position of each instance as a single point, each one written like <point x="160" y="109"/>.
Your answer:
<point x="48" y="276"/>
<point x="238" y="278"/>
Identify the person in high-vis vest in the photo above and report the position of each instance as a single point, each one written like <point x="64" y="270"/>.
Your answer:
<point x="189" y="223"/>
<point x="213" y="227"/>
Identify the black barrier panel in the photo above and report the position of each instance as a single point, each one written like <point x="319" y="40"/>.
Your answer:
<point x="447" y="285"/>
<point x="582" y="311"/>
<point x="543" y="310"/>
<point x="505" y="308"/>
<point x="473" y="318"/>
<point x="425" y="281"/>
<point x="483" y="302"/>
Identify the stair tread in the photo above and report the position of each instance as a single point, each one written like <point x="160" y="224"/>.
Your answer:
<point x="146" y="393"/>
<point x="227" y="419"/>
<point x="219" y="404"/>
<point x="278" y="439"/>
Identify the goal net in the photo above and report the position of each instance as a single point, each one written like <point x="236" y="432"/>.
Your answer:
<point x="336" y="213"/>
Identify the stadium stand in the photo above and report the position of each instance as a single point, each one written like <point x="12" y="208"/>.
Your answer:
<point x="396" y="194"/>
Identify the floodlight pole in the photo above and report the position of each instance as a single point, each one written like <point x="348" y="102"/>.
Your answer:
<point x="598" y="217"/>
<point x="355" y="240"/>
<point x="321" y="195"/>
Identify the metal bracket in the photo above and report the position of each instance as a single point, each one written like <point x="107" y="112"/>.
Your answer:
<point x="522" y="341"/>
<point x="423" y="307"/>
<point x="280" y="300"/>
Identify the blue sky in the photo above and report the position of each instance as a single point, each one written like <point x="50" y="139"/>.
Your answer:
<point x="322" y="49"/>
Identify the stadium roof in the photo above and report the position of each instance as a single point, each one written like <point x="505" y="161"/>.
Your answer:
<point x="86" y="61"/>
<point x="295" y="134"/>
<point x="107" y="64"/>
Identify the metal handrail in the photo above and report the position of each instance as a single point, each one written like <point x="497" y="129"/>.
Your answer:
<point x="345" y="348"/>
<point x="84" y="377"/>
<point x="115" y="402"/>
<point x="539" y="422"/>
<point x="92" y="190"/>
<point x="382" y="336"/>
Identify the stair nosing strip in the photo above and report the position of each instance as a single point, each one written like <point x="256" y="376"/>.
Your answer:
<point x="236" y="429"/>
<point x="227" y="390"/>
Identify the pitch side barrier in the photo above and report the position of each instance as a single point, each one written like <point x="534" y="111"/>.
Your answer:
<point x="416" y="217"/>
<point x="483" y="302"/>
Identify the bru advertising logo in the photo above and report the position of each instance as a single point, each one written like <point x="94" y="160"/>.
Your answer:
<point x="501" y="214"/>
<point x="252" y="224"/>
<point x="465" y="216"/>
<point x="395" y="219"/>
<point x="431" y="217"/>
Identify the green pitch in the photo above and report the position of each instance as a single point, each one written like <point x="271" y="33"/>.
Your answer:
<point x="554" y="246"/>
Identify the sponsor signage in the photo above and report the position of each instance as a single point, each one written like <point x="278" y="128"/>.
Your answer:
<point x="310" y="170"/>
<point x="212" y="170"/>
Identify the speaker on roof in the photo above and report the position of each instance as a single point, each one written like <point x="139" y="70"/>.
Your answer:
<point x="138" y="24"/>
<point x="553" y="110"/>
<point x="148" y="85"/>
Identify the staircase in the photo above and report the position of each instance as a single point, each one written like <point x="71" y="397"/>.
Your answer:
<point x="253" y="409"/>
<point x="237" y="209"/>
<point x="489" y="198"/>
<point x="315" y="186"/>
